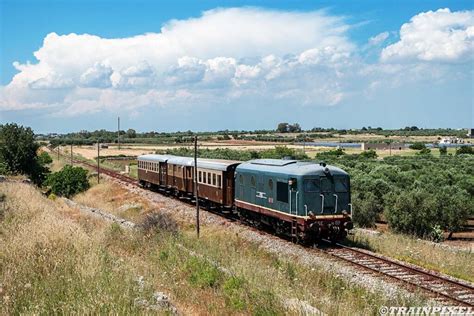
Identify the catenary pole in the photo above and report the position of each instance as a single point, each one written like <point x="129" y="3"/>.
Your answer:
<point x="196" y="189"/>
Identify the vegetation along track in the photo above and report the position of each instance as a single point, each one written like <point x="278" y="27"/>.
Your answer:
<point x="444" y="289"/>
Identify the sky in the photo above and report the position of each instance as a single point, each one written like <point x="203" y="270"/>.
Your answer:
<point x="239" y="65"/>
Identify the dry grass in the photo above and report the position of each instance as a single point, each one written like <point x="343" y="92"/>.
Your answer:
<point x="54" y="259"/>
<point x="49" y="263"/>
<point x="114" y="199"/>
<point x="405" y="248"/>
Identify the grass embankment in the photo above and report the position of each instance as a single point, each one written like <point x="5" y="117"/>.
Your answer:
<point x="419" y="252"/>
<point x="54" y="259"/>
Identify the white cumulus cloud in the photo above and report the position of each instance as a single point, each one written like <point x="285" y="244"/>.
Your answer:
<point x="439" y="35"/>
<point x="226" y="55"/>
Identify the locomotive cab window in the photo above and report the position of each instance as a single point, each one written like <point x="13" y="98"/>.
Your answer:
<point x="241" y="179"/>
<point x="282" y="192"/>
<point x="341" y="185"/>
<point x="326" y="185"/>
<point x="252" y="182"/>
<point x="311" y="185"/>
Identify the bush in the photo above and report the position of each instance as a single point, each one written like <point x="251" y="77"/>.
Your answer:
<point x="159" y="222"/>
<point x="417" y="146"/>
<point x="366" y="209"/>
<point x="465" y="150"/>
<point x="371" y="154"/>
<point x="443" y="150"/>
<point x="414" y="212"/>
<point x="69" y="181"/>
<point x="424" y="151"/>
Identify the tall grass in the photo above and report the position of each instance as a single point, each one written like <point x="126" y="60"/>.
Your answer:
<point x="54" y="259"/>
<point x="419" y="252"/>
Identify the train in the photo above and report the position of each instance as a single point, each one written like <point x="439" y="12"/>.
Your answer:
<point x="302" y="200"/>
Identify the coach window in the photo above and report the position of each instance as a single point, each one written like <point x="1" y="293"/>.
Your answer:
<point x="200" y="176"/>
<point x="213" y="179"/>
<point x="208" y="178"/>
<point x="252" y="182"/>
<point x="282" y="192"/>
<point x="219" y="183"/>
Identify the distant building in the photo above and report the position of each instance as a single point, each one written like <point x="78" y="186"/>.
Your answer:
<point x="451" y="140"/>
<point x="383" y="146"/>
<point x="470" y="132"/>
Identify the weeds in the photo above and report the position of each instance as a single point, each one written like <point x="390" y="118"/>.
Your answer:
<point x="159" y="222"/>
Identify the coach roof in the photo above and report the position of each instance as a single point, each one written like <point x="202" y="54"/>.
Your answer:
<point x="212" y="164"/>
<point x="155" y="158"/>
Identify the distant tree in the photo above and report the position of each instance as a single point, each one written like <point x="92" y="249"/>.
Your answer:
<point x="424" y="151"/>
<point x="363" y="129"/>
<point x="465" y="150"/>
<point x="417" y="146"/>
<point x="68" y="181"/>
<point x="443" y="151"/>
<point x="294" y="128"/>
<point x="283" y="128"/>
<point x="131" y="133"/>
<point x="372" y="154"/>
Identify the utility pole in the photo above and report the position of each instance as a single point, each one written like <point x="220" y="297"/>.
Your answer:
<point x="118" y="133"/>
<point x="196" y="189"/>
<point x="98" y="161"/>
<point x="71" y="154"/>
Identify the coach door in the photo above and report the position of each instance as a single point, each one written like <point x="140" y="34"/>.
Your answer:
<point x="163" y="169"/>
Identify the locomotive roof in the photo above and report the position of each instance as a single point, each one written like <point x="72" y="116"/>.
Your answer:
<point x="213" y="164"/>
<point x="290" y="167"/>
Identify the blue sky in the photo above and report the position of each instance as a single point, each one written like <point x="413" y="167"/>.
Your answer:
<point x="327" y="63"/>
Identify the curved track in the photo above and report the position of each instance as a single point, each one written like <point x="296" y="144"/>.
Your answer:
<point x="446" y="290"/>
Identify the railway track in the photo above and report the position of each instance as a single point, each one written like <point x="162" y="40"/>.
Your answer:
<point x="445" y="290"/>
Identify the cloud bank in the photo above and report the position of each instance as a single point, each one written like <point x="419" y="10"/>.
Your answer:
<point x="228" y="55"/>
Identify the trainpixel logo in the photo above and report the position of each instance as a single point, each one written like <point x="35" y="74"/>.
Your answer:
<point x="425" y="310"/>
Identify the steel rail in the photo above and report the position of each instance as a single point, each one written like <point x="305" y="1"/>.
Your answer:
<point x="443" y="286"/>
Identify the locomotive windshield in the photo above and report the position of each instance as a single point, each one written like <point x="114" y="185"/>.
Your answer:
<point x="311" y="185"/>
<point x="341" y="185"/>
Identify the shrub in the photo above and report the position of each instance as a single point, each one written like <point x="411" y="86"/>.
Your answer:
<point x="417" y="146"/>
<point x="413" y="212"/>
<point x="424" y="151"/>
<point x="443" y="150"/>
<point x="159" y="222"/>
<point x="68" y="181"/>
<point x="371" y="154"/>
<point x="366" y="209"/>
<point x="465" y="150"/>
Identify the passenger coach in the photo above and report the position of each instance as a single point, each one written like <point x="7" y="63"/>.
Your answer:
<point x="176" y="175"/>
